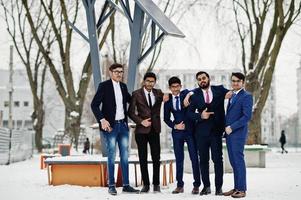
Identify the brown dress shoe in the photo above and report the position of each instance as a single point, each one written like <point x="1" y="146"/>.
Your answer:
<point x="195" y="190"/>
<point x="238" y="194"/>
<point x="178" y="190"/>
<point x="229" y="193"/>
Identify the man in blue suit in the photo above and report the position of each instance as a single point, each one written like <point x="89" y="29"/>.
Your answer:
<point x="207" y="110"/>
<point x="239" y="113"/>
<point x="182" y="131"/>
<point x="113" y="96"/>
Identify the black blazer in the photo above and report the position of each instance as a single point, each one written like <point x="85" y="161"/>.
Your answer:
<point x="216" y="123"/>
<point x="105" y="96"/>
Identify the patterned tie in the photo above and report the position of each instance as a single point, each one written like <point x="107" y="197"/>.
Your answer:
<point x="177" y="103"/>
<point x="207" y="100"/>
<point x="149" y="101"/>
<point x="232" y="98"/>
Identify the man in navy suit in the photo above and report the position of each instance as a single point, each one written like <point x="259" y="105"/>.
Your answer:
<point x="113" y="96"/>
<point x="182" y="131"/>
<point x="207" y="110"/>
<point x="239" y="113"/>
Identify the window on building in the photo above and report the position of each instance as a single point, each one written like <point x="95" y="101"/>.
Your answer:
<point x="223" y="78"/>
<point x="5" y="123"/>
<point x="17" y="104"/>
<point x="19" y="124"/>
<point x="6" y="103"/>
<point x="26" y="103"/>
<point x="28" y="124"/>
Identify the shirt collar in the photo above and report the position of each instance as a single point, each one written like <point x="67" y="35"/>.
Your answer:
<point x="209" y="90"/>
<point x="174" y="96"/>
<point x="115" y="82"/>
<point x="146" y="92"/>
<point x="236" y="92"/>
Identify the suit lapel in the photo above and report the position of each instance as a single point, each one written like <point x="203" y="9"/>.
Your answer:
<point x="143" y="96"/>
<point x="236" y="98"/>
<point x="113" y="92"/>
<point x="201" y="99"/>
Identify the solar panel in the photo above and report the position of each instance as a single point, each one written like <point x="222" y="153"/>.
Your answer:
<point x="161" y="20"/>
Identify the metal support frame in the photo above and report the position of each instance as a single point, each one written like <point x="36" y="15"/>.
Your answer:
<point x="135" y="49"/>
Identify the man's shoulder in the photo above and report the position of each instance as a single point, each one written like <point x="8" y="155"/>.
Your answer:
<point x="157" y="90"/>
<point x="218" y="87"/>
<point x="136" y="92"/>
<point x="106" y="82"/>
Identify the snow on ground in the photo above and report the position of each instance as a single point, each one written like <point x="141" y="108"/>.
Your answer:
<point x="280" y="180"/>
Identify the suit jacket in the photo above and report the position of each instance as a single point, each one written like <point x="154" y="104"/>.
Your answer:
<point x="216" y="123"/>
<point x="105" y="96"/>
<point x="178" y="116"/>
<point x="239" y="113"/>
<point x="139" y="110"/>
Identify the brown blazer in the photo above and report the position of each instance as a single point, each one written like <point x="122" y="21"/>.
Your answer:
<point x="139" y="110"/>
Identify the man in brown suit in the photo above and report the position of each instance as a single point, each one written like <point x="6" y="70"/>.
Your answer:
<point x="144" y="110"/>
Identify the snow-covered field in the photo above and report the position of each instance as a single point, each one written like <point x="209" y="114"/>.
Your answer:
<point x="281" y="180"/>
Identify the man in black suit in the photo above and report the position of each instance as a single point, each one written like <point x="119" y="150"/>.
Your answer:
<point x="112" y="118"/>
<point x="207" y="110"/>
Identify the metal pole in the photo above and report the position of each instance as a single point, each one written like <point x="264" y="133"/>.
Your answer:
<point x="135" y="50"/>
<point x="10" y="92"/>
<point x="94" y="54"/>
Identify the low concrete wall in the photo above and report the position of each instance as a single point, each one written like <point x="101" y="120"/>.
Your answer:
<point x="254" y="157"/>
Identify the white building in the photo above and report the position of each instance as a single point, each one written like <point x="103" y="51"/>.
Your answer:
<point x="218" y="77"/>
<point x="299" y="101"/>
<point x="22" y="105"/>
<point x="270" y="131"/>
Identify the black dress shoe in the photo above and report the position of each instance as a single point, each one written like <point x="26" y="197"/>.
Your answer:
<point x="205" y="191"/>
<point x="219" y="192"/>
<point x="157" y="188"/>
<point x="144" y="189"/>
<point x="112" y="190"/>
<point x="129" y="189"/>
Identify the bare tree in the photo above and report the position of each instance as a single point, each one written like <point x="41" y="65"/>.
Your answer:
<point x="58" y="13"/>
<point x="30" y="56"/>
<point x="260" y="51"/>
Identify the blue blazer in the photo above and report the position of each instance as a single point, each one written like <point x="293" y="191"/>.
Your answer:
<point x="239" y="113"/>
<point x="179" y="116"/>
<point x="216" y="123"/>
<point x="105" y="96"/>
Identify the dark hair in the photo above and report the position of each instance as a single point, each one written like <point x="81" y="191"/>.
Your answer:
<point x="173" y="80"/>
<point x="202" y="72"/>
<point x="149" y="75"/>
<point x="115" y="66"/>
<point x="239" y="75"/>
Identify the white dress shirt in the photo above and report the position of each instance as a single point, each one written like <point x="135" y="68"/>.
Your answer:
<point x="119" y="101"/>
<point x="210" y="94"/>
<point x="174" y="100"/>
<point x="153" y="99"/>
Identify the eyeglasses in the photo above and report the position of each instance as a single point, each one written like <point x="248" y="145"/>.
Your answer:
<point x="236" y="81"/>
<point x="117" y="72"/>
<point x="148" y="81"/>
<point x="175" y="86"/>
<point x="202" y="78"/>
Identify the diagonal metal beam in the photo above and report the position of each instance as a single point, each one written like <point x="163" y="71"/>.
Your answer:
<point x="156" y="42"/>
<point x="78" y="31"/>
<point x="104" y="18"/>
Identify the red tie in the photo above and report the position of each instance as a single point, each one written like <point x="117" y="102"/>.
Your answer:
<point x="207" y="100"/>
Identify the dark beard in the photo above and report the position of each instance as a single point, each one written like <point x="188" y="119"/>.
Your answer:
<point x="204" y="86"/>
